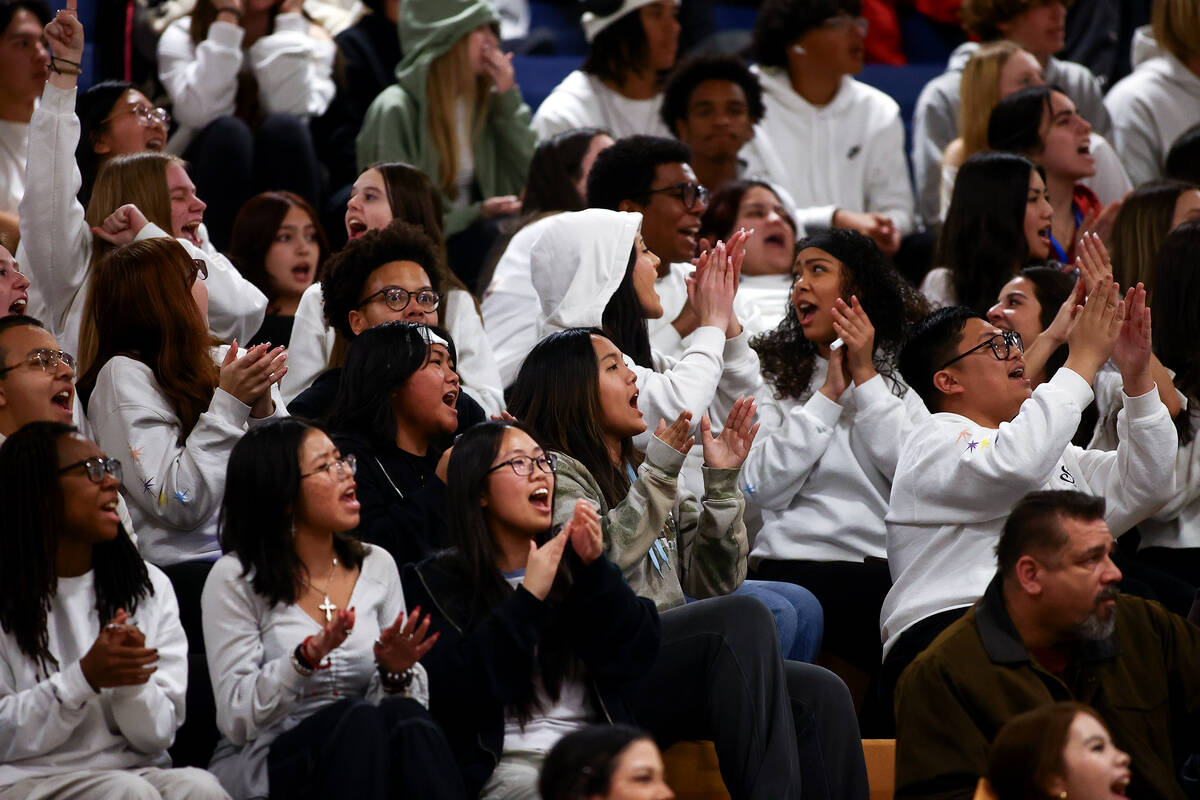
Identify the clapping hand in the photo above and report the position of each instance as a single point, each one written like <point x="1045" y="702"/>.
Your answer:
<point x="854" y="327"/>
<point x="250" y="377"/>
<point x="330" y="638"/>
<point x="404" y="642"/>
<point x="676" y="434"/>
<point x="1131" y="353"/>
<point x="119" y="656"/>
<point x="584" y="531"/>
<point x="542" y="565"/>
<point x="1096" y="330"/>
<point x="730" y="448"/>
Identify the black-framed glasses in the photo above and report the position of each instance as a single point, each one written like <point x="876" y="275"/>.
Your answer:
<point x="689" y="193"/>
<point x="201" y="269"/>
<point x="146" y="115"/>
<point x="1001" y="343"/>
<point x="398" y="298"/>
<point x="523" y="465"/>
<point x="339" y="467"/>
<point x="96" y="468"/>
<point x="45" y="358"/>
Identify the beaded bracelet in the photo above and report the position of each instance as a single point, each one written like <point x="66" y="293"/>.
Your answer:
<point x="395" y="682"/>
<point x="74" y="68"/>
<point x="300" y="663"/>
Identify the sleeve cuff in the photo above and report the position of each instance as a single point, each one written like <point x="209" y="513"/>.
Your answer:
<point x="737" y="347"/>
<point x="707" y="338"/>
<point x="871" y="392"/>
<point x="228" y="406"/>
<point x="1144" y="405"/>
<point x="663" y="457"/>
<point x="826" y="411"/>
<point x="71" y="688"/>
<point x="1070" y="381"/>
<point x="151" y="231"/>
<point x="291" y="22"/>
<point x="719" y="483"/>
<point x="226" y="34"/>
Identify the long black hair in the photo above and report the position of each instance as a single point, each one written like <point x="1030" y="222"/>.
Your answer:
<point x="556" y="167"/>
<point x="788" y="358"/>
<point x="262" y="487"/>
<point x="581" y="765"/>
<point x="31" y="493"/>
<point x="557" y="391"/>
<point x="983" y="241"/>
<point x="1177" y="315"/>
<point x="624" y="320"/>
<point x="475" y="559"/>
<point x="92" y="107"/>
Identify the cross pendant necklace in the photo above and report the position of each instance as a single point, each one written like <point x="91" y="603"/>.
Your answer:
<point x="327" y="607"/>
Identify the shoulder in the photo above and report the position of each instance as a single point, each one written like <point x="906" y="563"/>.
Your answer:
<point x="392" y="102"/>
<point x="379" y="565"/>
<point x="1071" y="72"/>
<point x="160" y="583"/>
<point x="868" y="99"/>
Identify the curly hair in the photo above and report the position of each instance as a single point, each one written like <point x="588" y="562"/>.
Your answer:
<point x="984" y="17"/>
<point x="626" y="170"/>
<point x="788" y="357"/>
<point x="677" y="94"/>
<point x="781" y="22"/>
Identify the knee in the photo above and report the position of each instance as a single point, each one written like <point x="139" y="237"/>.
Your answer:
<point x="195" y="784"/>
<point x="747" y="618"/>
<point x="819" y="690"/>
<point x="281" y="129"/>
<point x="128" y="786"/>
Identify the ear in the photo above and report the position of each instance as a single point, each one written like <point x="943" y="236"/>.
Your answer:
<point x="100" y="146"/>
<point x="3" y="396"/>
<point x="629" y="205"/>
<point x="1028" y="574"/>
<point x="945" y="382"/>
<point x="358" y="323"/>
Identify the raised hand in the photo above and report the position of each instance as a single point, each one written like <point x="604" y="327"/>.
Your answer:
<point x="870" y="223"/>
<point x="730" y="448"/>
<point x="331" y="636"/>
<point x="1096" y="329"/>
<point x="837" y="376"/>
<point x="1091" y="258"/>
<point x="119" y="656"/>
<point x="122" y="226"/>
<point x="711" y="289"/>
<point x="1131" y="353"/>
<point x="249" y="377"/>
<point x="584" y="531"/>
<point x="676" y="434"/>
<point x="500" y="206"/>
<point x="854" y="327"/>
<point x="542" y="565"/>
<point x="498" y="66"/>
<point x="64" y="35"/>
<point x="404" y="642"/>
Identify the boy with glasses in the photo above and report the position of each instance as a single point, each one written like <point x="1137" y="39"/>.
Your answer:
<point x="990" y="440"/>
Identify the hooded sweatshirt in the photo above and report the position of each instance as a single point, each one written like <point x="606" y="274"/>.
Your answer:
<point x="396" y="127"/>
<point x="576" y="266"/>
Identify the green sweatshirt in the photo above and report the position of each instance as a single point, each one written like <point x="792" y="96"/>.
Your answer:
<point x="396" y="127"/>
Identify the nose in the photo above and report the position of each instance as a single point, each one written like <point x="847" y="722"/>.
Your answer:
<point x="108" y="481"/>
<point x="22" y="282"/>
<point x="995" y="315"/>
<point x="1112" y="573"/>
<point x="1122" y="758"/>
<point x="451" y="376"/>
<point x="354" y="203"/>
<point x="197" y="204"/>
<point x="414" y="311"/>
<point x="41" y="54"/>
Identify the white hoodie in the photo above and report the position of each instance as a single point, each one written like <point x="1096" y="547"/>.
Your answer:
<point x="957" y="481"/>
<point x="583" y="101"/>
<point x="577" y="264"/>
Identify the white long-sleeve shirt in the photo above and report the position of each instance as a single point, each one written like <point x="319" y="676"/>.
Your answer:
<point x="294" y="71"/>
<point x="58" y="724"/>
<point x="56" y="241"/>
<point x="312" y="344"/>
<point x="821" y="471"/>
<point x="259" y="694"/>
<point x="848" y="154"/>
<point x="957" y="482"/>
<point x="583" y="101"/>
<point x="173" y="487"/>
<point x="1150" y="108"/>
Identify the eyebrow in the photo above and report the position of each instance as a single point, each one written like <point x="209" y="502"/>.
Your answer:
<point x="608" y="356"/>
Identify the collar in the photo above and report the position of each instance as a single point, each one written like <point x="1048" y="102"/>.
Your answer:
<point x="1003" y="644"/>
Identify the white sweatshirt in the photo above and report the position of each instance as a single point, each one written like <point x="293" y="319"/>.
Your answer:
<point x="1150" y="108"/>
<point x="173" y="487"/>
<point x="821" y="472"/>
<point x="56" y="241"/>
<point x="510" y="302"/>
<point x="294" y="71"/>
<point x="583" y="101"/>
<point x="14" y="137"/>
<point x="59" y="724"/>
<point x="848" y="154"/>
<point x="956" y="483"/>
<point x="312" y="344"/>
<point x="259" y="694"/>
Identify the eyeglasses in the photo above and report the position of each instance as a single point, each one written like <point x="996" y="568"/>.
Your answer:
<point x="688" y="193"/>
<point x="843" y="23"/>
<point x="201" y="269"/>
<point x="1001" y="343"/>
<point x="48" y="360"/>
<point x="339" y="467"/>
<point x="97" y="468"/>
<point x="523" y="465"/>
<point x="397" y="299"/>
<point x="146" y="115"/>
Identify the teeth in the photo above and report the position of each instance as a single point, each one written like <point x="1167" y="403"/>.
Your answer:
<point x="540" y="493"/>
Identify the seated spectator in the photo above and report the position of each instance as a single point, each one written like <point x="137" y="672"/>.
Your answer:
<point x="833" y="424"/>
<point x="395" y="411"/>
<point x="1038" y="304"/>
<point x="1038" y="27"/>
<point x="1151" y="212"/>
<point x="712" y="103"/>
<point x="314" y="658"/>
<point x="154" y="386"/>
<point x="610" y="762"/>
<point x="85" y="714"/>
<point x="244" y="79"/>
<point x="14" y="286"/>
<point x="1051" y="626"/>
<point x="542" y="636"/>
<point x="765" y="288"/>
<point x="631" y="46"/>
<point x="455" y="112"/>
<point x="24" y="60"/>
<point x="558" y="177"/>
<point x="989" y="441"/>
<point x="998" y="223"/>
<point x="670" y="547"/>
<point x="1160" y="99"/>
<point x="115" y="119"/>
<point x="1183" y="159"/>
<point x="382" y="194"/>
<point x="834" y="144"/>
<point x="1053" y="750"/>
<point x="279" y="246"/>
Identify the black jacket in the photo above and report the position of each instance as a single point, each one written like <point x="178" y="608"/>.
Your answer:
<point x="473" y="674"/>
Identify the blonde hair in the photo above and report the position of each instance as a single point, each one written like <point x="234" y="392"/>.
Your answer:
<point x="1176" y="26"/>
<point x="980" y="93"/>
<point x="450" y="81"/>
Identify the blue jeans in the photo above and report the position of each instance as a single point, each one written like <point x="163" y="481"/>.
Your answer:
<point x="797" y="613"/>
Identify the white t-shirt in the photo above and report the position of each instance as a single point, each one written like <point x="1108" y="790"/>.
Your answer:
<point x="13" y="139"/>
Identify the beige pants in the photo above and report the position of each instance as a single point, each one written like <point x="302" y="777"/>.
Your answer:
<point x="515" y="777"/>
<point x="145" y="783"/>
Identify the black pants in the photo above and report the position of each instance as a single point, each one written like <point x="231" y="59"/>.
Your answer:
<point x="908" y="646"/>
<point x="780" y="730"/>
<point x="230" y="163"/>
<point x="355" y="749"/>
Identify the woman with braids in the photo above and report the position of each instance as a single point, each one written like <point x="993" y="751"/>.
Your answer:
<point x="92" y="656"/>
<point x="833" y="424"/>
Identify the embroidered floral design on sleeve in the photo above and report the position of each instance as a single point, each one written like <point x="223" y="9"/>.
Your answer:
<point x="148" y="486"/>
<point x="182" y="496"/>
<point x="136" y="454"/>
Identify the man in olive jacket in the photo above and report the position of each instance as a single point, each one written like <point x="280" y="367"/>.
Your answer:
<point x="1051" y="627"/>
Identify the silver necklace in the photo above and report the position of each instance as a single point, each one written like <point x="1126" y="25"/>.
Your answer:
<point x="327" y="607"/>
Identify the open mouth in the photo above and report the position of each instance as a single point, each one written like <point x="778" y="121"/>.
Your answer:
<point x="1119" y="786"/>
<point x="450" y="399"/>
<point x="63" y="400"/>
<point x="191" y="231"/>
<point x="110" y="508"/>
<point x="302" y="272"/>
<point x="156" y="143"/>
<point x="18" y="306"/>
<point x="355" y="227"/>
<point x="691" y="234"/>
<point x="1018" y="373"/>
<point x="633" y="403"/>
<point x="350" y="497"/>
<point x="805" y="313"/>
<point x="1044" y="235"/>
<point x="776" y="240"/>
<point x="540" y="499"/>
